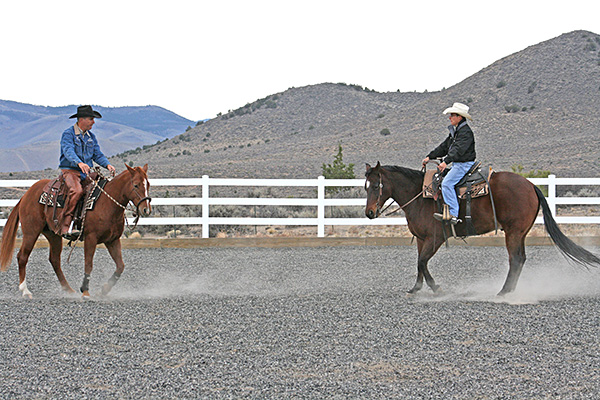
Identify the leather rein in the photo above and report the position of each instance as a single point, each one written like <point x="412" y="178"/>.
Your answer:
<point x="401" y="207"/>
<point x="136" y="211"/>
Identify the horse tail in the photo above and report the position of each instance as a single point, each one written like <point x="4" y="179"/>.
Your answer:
<point x="567" y="247"/>
<point x="9" y="235"/>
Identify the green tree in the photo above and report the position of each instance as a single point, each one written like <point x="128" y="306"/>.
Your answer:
<point x="338" y="170"/>
<point x="518" y="169"/>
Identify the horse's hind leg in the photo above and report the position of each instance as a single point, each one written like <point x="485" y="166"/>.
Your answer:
<point x="114" y="249"/>
<point x="22" y="259"/>
<point x="55" y="243"/>
<point x="515" y="244"/>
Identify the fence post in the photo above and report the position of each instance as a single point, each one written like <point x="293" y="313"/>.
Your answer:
<point x="552" y="194"/>
<point x="205" y="210"/>
<point x="321" y="206"/>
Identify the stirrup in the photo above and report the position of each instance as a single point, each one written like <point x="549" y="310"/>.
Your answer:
<point x="72" y="235"/>
<point x="453" y="220"/>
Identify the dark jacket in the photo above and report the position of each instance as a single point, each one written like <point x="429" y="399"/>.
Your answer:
<point x="459" y="146"/>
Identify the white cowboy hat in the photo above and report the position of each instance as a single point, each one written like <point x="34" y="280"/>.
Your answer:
<point x="460" y="109"/>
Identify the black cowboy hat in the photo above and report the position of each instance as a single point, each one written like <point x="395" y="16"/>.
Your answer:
<point x="86" y="111"/>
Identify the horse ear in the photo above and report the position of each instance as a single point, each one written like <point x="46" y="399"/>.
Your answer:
<point x="368" y="167"/>
<point x="145" y="167"/>
<point x="128" y="167"/>
<point x="378" y="165"/>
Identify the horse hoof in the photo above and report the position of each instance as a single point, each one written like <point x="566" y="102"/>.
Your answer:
<point x="68" y="290"/>
<point x="414" y="290"/>
<point x="106" y="289"/>
<point x="27" y="296"/>
<point x="86" y="295"/>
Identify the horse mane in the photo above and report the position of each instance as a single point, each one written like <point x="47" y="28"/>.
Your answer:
<point x="409" y="173"/>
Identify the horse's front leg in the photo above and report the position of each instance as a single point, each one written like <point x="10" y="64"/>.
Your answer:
<point x="426" y="249"/>
<point x="114" y="249"/>
<point x="419" y="284"/>
<point x="89" y="249"/>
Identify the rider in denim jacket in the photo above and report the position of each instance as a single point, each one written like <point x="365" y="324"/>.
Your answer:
<point x="79" y="150"/>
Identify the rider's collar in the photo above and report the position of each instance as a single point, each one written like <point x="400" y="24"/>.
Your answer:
<point x="79" y="131"/>
<point x="453" y="129"/>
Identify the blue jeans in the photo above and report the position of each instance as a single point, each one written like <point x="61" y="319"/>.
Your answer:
<point x="456" y="173"/>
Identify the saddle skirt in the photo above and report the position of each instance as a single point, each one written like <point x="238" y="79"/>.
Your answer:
<point x="474" y="178"/>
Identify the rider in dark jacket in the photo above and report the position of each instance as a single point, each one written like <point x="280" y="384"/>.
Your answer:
<point x="458" y="149"/>
<point x="459" y="146"/>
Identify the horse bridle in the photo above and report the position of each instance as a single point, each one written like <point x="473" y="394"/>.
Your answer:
<point x="137" y="206"/>
<point x="380" y="187"/>
<point x="136" y="212"/>
<point x="401" y="207"/>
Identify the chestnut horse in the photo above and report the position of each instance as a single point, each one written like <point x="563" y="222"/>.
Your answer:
<point x="516" y="202"/>
<point x="103" y="224"/>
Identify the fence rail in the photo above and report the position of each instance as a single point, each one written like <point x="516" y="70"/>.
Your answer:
<point x="320" y="202"/>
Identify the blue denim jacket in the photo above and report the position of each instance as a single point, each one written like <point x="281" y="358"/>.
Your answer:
<point x="80" y="148"/>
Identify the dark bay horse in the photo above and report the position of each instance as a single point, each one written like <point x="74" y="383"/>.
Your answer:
<point x="516" y="200"/>
<point x="104" y="224"/>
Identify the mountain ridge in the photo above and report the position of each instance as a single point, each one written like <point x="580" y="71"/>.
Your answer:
<point x="28" y="131"/>
<point x="536" y="108"/>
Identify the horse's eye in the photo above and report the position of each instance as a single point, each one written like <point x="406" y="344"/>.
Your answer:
<point x="136" y="186"/>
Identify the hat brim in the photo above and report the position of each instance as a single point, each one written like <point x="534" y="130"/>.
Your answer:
<point x="96" y="114"/>
<point x="454" y="110"/>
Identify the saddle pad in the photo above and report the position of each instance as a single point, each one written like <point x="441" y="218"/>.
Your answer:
<point x="96" y="194"/>
<point x="47" y="198"/>
<point x="477" y="190"/>
<point x="52" y="190"/>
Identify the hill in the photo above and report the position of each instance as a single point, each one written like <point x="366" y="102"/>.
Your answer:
<point x="28" y="131"/>
<point x="536" y="108"/>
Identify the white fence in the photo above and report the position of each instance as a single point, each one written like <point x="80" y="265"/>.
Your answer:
<point x="320" y="202"/>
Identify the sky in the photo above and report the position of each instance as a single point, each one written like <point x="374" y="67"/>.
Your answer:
<point x="200" y="58"/>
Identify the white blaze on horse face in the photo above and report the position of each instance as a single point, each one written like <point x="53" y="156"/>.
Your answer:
<point x="146" y="188"/>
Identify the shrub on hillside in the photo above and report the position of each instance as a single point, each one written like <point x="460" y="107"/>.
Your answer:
<point x="338" y="170"/>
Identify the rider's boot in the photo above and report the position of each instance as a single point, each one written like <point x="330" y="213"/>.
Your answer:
<point x="66" y="229"/>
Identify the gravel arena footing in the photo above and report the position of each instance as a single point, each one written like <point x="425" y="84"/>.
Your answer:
<point x="303" y="323"/>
